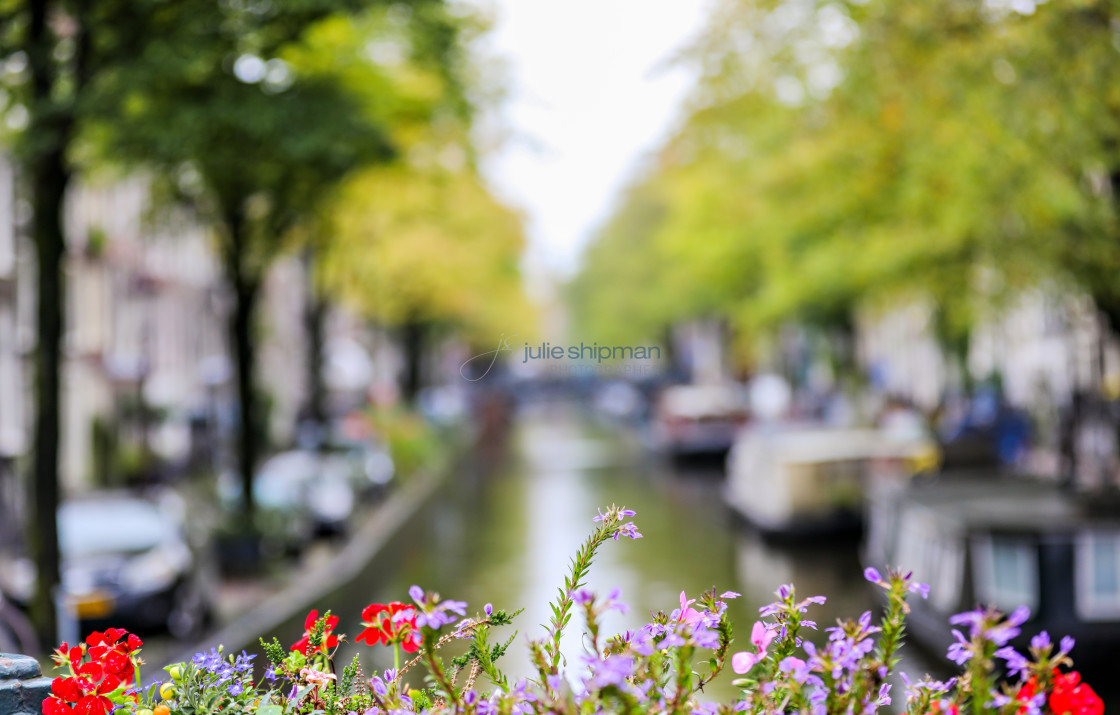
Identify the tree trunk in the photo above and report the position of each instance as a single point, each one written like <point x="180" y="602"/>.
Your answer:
<point x="49" y="135"/>
<point x="315" y="318"/>
<point x="412" y="339"/>
<point x="245" y="288"/>
<point x="49" y="179"/>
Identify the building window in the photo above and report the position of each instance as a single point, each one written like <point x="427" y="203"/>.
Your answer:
<point x="1097" y="565"/>
<point x="1005" y="570"/>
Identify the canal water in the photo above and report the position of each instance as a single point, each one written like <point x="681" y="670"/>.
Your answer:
<point x="506" y="538"/>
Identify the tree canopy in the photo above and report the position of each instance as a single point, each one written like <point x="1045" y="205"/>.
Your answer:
<point x="835" y="155"/>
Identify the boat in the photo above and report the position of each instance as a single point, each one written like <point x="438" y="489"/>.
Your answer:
<point x="1003" y="541"/>
<point x="699" y="420"/>
<point x="803" y="481"/>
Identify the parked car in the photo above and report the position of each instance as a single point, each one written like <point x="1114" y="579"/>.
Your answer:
<point x="330" y="494"/>
<point x="124" y="561"/>
<point x="298" y="494"/>
<point x="699" y="420"/>
<point x="370" y="467"/>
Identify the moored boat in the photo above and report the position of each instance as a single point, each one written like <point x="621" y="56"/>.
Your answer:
<point x="1003" y="542"/>
<point x="802" y="481"/>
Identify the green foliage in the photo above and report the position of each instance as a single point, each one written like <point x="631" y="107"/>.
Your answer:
<point x="483" y="654"/>
<point x="349" y="673"/>
<point x="845" y="154"/>
<point x="315" y="637"/>
<point x="423" y="239"/>
<point x="611" y="526"/>
<point x="274" y="651"/>
<point x="413" y="443"/>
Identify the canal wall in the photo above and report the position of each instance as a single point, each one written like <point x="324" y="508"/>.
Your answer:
<point x="303" y="592"/>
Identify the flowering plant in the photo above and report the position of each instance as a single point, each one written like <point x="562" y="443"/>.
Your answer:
<point x="661" y="667"/>
<point x="100" y="673"/>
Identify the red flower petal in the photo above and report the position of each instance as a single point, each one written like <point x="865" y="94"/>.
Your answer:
<point x="94" y="705"/>
<point x="108" y="684"/>
<point x="67" y="689"/>
<point x="91" y="670"/>
<point x="370" y="611"/>
<point x="116" y="663"/>
<point x="54" y="706"/>
<point x="370" y="636"/>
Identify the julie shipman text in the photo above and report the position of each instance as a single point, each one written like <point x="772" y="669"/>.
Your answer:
<point x="594" y="351"/>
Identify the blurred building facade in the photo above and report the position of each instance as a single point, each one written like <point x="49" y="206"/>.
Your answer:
<point x="1042" y="348"/>
<point x="13" y="344"/>
<point x="146" y="347"/>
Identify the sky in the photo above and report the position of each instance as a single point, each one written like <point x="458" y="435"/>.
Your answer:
<point x="590" y="94"/>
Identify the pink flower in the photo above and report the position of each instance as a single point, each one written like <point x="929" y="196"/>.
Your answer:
<point x="316" y="677"/>
<point x="688" y="614"/>
<point x="761" y="637"/>
<point x="743" y="661"/>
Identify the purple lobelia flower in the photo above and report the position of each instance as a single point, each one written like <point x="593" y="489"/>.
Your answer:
<point x="795" y="667"/>
<point x="961" y="651"/>
<point x="1041" y="641"/>
<point x="990" y="625"/>
<point x="1016" y="663"/>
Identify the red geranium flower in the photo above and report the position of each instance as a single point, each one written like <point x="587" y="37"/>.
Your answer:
<point x="388" y="624"/>
<point x="952" y="710"/>
<point x="1069" y="696"/>
<point x="84" y="691"/>
<point x="303" y="645"/>
<point x="1072" y="696"/>
<point x="1026" y="692"/>
<point x="68" y="689"/>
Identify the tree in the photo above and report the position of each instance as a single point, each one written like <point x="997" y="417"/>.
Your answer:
<point x="421" y="244"/>
<point x="254" y="147"/>
<point x="58" y="53"/>
<point x="425" y="249"/>
<point x="836" y="154"/>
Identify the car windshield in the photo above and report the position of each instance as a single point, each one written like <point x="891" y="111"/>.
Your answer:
<point x="110" y="526"/>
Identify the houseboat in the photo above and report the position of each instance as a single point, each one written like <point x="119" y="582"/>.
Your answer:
<point x="1004" y="542"/>
<point x="791" y="481"/>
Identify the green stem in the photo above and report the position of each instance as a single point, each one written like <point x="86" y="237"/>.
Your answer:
<point x="396" y="656"/>
<point x="561" y="610"/>
<point x="683" y="667"/>
<point x="440" y="676"/>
